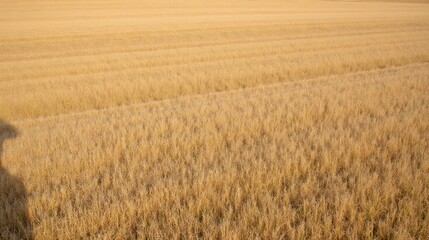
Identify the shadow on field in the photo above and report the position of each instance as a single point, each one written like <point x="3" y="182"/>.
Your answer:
<point x="14" y="221"/>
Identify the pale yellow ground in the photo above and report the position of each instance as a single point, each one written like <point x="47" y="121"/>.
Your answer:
<point x="214" y="119"/>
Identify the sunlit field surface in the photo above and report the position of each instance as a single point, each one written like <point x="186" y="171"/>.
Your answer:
<point x="214" y="119"/>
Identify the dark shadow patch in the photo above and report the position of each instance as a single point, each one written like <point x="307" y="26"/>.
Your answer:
<point x="14" y="221"/>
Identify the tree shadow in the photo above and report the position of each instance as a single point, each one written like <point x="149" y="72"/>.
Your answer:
<point x="14" y="220"/>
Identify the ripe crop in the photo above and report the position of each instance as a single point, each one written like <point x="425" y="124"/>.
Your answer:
<point x="204" y="119"/>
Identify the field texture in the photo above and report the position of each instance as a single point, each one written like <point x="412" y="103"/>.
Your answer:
<point x="214" y="120"/>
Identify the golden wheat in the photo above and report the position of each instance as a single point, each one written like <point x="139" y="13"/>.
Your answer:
<point x="203" y="119"/>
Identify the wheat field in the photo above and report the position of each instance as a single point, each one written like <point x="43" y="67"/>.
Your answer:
<point x="189" y="119"/>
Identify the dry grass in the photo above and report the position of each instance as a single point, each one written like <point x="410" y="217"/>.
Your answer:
<point x="124" y="120"/>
